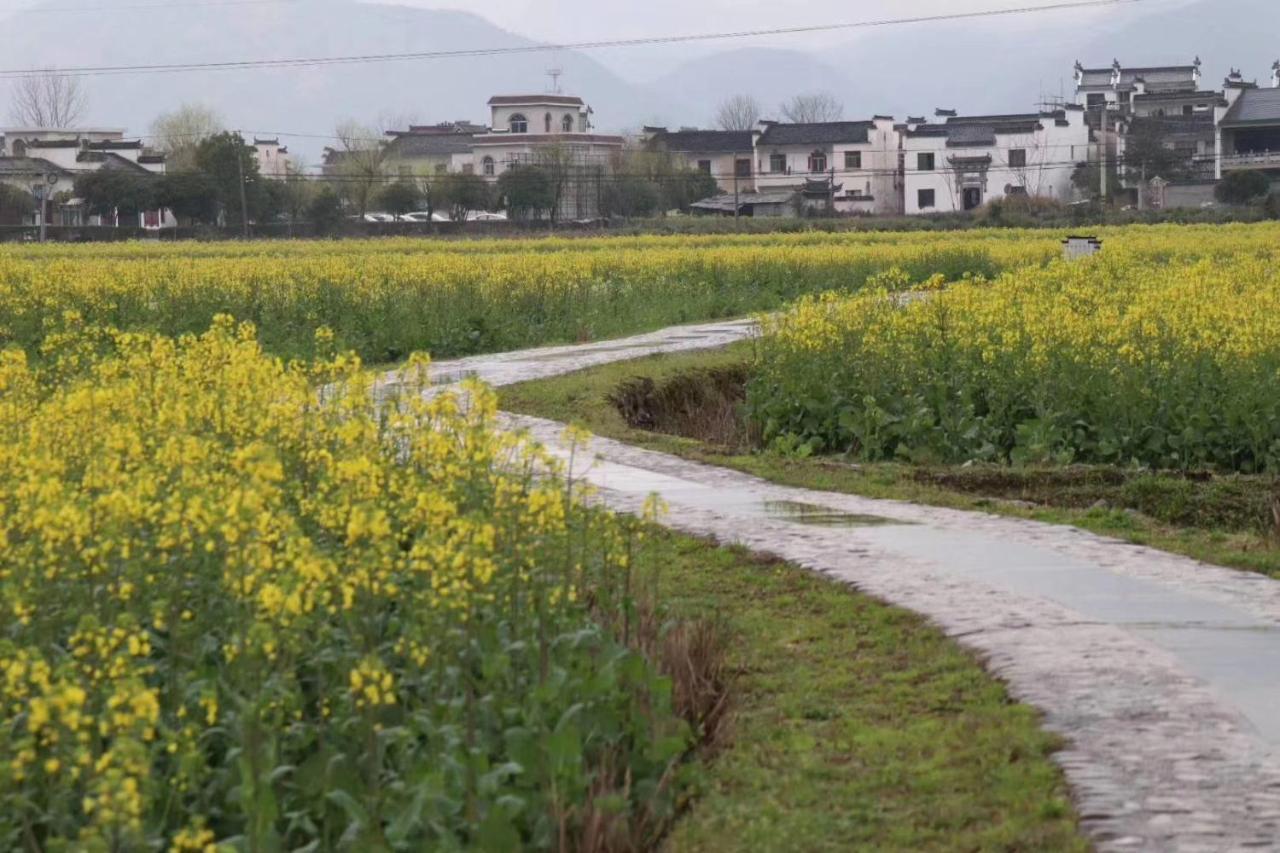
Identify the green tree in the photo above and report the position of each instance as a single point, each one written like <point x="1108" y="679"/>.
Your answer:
<point x="1145" y="152"/>
<point x="108" y="192"/>
<point x="325" y="211"/>
<point x="179" y="133"/>
<point x="15" y="204"/>
<point x="226" y="159"/>
<point x="462" y="194"/>
<point x="400" y="198"/>
<point x="191" y="196"/>
<point x="1244" y="187"/>
<point x="682" y="187"/>
<point x="528" y="191"/>
<point x="631" y="196"/>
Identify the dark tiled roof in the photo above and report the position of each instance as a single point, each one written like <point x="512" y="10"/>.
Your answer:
<point x="704" y="141"/>
<point x="430" y="144"/>
<point x="1261" y="106"/>
<point x="981" y="131"/>
<point x="14" y="166"/>
<point x="996" y="119"/>
<point x="115" y="145"/>
<point x="1186" y="94"/>
<point x="111" y="161"/>
<point x="971" y="135"/>
<point x="565" y="100"/>
<point x="825" y="133"/>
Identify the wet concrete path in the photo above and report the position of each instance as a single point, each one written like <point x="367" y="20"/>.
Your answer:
<point x="1161" y="672"/>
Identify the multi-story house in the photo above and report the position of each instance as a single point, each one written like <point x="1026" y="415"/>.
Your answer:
<point x="554" y="132"/>
<point x="726" y="155"/>
<point x="964" y="162"/>
<point x="1152" y="105"/>
<point x="851" y="166"/>
<point x="46" y="161"/>
<point x="1117" y="86"/>
<point x="1249" y="128"/>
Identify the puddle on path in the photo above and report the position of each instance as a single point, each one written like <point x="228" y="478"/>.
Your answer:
<point x="813" y="515"/>
<point x="1229" y="649"/>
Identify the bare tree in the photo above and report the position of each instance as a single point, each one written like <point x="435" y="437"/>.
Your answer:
<point x="359" y="163"/>
<point x="48" y="99"/>
<point x="179" y="133"/>
<point x="813" y="108"/>
<point x="739" y="112"/>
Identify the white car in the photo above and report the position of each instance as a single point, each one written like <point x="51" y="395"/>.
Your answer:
<point x="419" y="216"/>
<point x="379" y="217"/>
<point x="484" y="216"/>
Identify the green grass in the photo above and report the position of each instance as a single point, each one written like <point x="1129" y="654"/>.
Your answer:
<point x="1156" y="511"/>
<point x="856" y="725"/>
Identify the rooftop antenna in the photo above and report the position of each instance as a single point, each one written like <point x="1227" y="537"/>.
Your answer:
<point x="555" y="73"/>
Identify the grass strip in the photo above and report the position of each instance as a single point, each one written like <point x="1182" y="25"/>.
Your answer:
<point x="855" y="724"/>
<point x="1138" y="512"/>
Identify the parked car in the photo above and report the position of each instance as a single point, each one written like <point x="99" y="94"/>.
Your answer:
<point x="419" y="216"/>
<point x="379" y="217"/>
<point x="485" y="216"/>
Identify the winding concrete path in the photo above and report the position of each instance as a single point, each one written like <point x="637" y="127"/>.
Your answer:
<point x="1162" y="673"/>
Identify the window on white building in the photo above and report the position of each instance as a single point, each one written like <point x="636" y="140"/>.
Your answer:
<point x="519" y="124"/>
<point x="926" y="199"/>
<point x="468" y="168"/>
<point x="777" y="163"/>
<point x="853" y="159"/>
<point x="742" y="168"/>
<point x="818" y="162"/>
<point x="704" y="166"/>
<point x="925" y="162"/>
<point x="566" y="124"/>
<point x="488" y="166"/>
<point x="546" y="123"/>
<point x="1017" y="158"/>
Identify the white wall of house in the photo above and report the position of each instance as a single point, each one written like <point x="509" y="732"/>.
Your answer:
<point x="943" y="178"/>
<point x="541" y="118"/>
<point x="865" y="170"/>
<point x="273" y="158"/>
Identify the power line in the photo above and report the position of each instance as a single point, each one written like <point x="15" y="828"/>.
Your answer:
<point x="158" y="7"/>
<point x="297" y="62"/>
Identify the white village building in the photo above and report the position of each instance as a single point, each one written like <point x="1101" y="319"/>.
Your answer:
<point x="963" y="162"/>
<point x="1248" y="125"/>
<point x="525" y="130"/>
<point x="851" y="165"/>
<point x="46" y="162"/>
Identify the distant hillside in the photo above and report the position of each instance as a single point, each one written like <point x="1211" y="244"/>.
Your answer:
<point x="999" y="64"/>
<point x="306" y="99"/>
<point x="992" y="65"/>
<point x="696" y="88"/>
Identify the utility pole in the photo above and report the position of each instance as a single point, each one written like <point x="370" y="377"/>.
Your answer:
<point x="1105" y="143"/>
<point x="244" y="203"/>
<point x="831" y="188"/>
<point x="735" y="186"/>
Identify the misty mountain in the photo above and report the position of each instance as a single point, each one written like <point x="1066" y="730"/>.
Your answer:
<point x="308" y="100"/>
<point x="693" y="91"/>
<point x="993" y="64"/>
